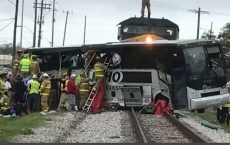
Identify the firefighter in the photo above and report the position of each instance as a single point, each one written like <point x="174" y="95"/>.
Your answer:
<point x="16" y="62"/>
<point x="24" y="67"/>
<point x="147" y="4"/>
<point x="99" y="69"/>
<point x="44" y="92"/>
<point x="63" y="97"/>
<point x="34" y="66"/>
<point x="84" y="88"/>
<point x="4" y="100"/>
<point x="87" y="56"/>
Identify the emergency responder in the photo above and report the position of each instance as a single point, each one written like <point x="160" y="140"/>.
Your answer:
<point x="33" y="94"/>
<point x="116" y="59"/>
<point x="87" y="56"/>
<point x="34" y="66"/>
<point x="44" y="92"/>
<point x="4" y="100"/>
<point x="24" y="67"/>
<point x="147" y="4"/>
<point x="53" y="97"/>
<point x="16" y="62"/>
<point x="99" y="69"/>
<point x="84" y="89"/>
<point x="63" y="97"/>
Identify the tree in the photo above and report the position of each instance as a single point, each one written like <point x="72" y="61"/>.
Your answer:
<point x="224" y="36"/>
<point x="208" y="35"/>
<point x="7" y="48"/>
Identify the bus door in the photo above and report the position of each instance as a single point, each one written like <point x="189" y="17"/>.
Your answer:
<point x="179" y="82"/>
<point x="164" y="76"/>
<point x="171" y="76"/>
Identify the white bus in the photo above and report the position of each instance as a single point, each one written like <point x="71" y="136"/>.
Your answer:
<point x="189" y="74"/>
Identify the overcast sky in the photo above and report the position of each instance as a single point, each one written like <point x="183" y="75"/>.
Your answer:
<point x="104" y="15"/>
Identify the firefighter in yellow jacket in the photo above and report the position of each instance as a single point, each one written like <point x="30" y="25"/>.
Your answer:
<point x="34" y="66"/>
<point x="44" y="92"/>
<point x="16" y="62"/>
<point x="87" y="57"/>
<point x="99" y="69"/>
<point x="84" y="88"/>
<point x="4" y="100"/>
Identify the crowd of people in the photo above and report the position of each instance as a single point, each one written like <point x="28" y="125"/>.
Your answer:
<point x="27" y="90"/>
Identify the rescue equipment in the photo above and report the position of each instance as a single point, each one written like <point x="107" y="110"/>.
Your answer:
<point x="87" y="106"/>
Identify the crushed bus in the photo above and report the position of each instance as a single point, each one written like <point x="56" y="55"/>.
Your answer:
<point x="188" y="74"/>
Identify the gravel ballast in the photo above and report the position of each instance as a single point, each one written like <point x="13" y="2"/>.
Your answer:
<point x="107" y="127"/>
<point x="51" y="130"/>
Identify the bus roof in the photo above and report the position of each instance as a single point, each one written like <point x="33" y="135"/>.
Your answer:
<point x="149" y="21"/>
<point x="114" y="45"/>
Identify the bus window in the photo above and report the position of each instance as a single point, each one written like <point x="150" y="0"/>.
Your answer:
<point x="138" y="58"/>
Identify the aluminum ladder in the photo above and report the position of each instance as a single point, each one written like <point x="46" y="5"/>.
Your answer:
<point x="92" y="95"/>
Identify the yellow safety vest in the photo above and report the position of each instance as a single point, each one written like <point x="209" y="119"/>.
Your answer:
<point x="25" y="65"/>
<point x="99" y="69"/>
<point x="34" y="87"/>
<point x="2" y="87"/>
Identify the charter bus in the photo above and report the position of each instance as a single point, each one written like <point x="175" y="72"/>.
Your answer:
<point x="189" y="74"/>
<point x="134" y="27"/>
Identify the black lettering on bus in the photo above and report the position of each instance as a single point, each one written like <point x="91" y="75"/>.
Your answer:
<point x="114" y="77"/>
<point x="109" y="76"/>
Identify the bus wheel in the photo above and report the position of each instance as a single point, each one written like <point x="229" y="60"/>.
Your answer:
<point x="200" y="110"/>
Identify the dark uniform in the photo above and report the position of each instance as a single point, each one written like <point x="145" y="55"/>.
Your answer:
<point x="147" y="4"/>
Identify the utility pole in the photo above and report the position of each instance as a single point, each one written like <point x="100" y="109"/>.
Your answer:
<point x="35" y="23"/>
<point x="41" y="21"/>
<point x="52" y="42"/>
<point x="40" y="24"/>
<point x="66" y="21"/>
<point x="210" y="35"/>
<point x="22" y="22"/>
<point x="198" y="22"/>
<point x="84" y="32"/>
<point x="15" y="28"/>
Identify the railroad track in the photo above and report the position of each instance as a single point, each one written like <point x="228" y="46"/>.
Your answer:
<point x="162" y="129"/>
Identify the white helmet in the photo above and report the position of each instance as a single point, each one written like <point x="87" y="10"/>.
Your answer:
<point x="34" y="77"/>
<point x="45" y="75"/>
<point x="25" y="55"/>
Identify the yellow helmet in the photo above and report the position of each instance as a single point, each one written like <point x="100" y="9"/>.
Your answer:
<point x="19" y="50"/>
<point x="64" y="74"/>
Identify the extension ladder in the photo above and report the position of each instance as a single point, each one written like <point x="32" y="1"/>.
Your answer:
<point x="92" y="94"/>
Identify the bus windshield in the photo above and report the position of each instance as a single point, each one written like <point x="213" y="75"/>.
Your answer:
<point x="204" y="62"/>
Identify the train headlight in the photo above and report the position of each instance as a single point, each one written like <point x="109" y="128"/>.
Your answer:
<point x="149" y="40"/>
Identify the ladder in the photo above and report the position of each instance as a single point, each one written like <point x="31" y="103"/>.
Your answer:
<point x="92" y="95"/>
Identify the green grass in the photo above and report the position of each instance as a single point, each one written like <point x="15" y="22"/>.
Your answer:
<point x="9" y="127"/>
<point x="210" y="116"/>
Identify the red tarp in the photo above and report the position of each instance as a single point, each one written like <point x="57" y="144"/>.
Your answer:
<point x="161" y="107"/>
<point x="97" y="104"/>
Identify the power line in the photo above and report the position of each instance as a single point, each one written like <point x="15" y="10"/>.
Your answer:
<point x="2" y="20"/>
<point x="6" y="25"/>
